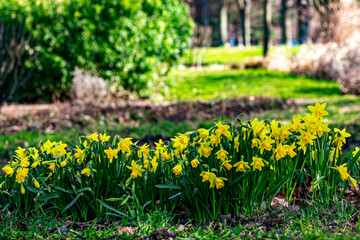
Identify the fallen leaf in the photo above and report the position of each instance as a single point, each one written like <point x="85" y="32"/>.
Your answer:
<point x="127" y="230"/>
<point x="165" y="234"/>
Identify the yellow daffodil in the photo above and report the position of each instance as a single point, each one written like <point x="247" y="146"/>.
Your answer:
<point x="59" y="149"/>
<point x="227" y="165"/>
<point x="111" y="154"/>
<point x="205" y="150"/>
<point x="25" y="161"/>
<point x="353" y="182"/>
<point x="236" y="143"/>
<point x="222" y="154"/>
<point x="266" y="144"/>
<point x="221" y="128"/>
<point x="258" y="128"/>
<point x="21" y="152"/>
<point x="86" y="171"/>
<point x="36" y="163"/>
<point x="241" y="166"/>
<point x="255" y="142"/>
<point x="208" y="176"/>
<point x="146" y="163"/>
<point x="215" y="140"/>
<point x="143" y="151"/>
<point x="94" y="137"/>
<point x="160" y="146"/>
<point x="306" y="138"/>
<point x="219" y="182"/>
<point x="21" y="174"/>
<point x="34" y="153"/>
<point x="8" y="170"/>
<point x="257" y="163"/>
<point x="136" y="169"/>
<point x="47" y="147"/>
<point x="124" y="145"/>
<point x="356" y="150"/>
<point x="104" y="137"/>
<point x="318" y="110"/>
<point x="195" y="163"/>
<point x="280" y="152"/>
<point x="343" y="172"/>
<point x="79" y="155"/>
<point x="290" y="150"/>
<point x="334" y="154"/>
<point x="52" y="166"/>
<point x="340" y="136"/>
<point x="203" y="133"/>
<point x="296" y="124"/>
<point x="177" y="170"/>
<point x="154" y="164"/>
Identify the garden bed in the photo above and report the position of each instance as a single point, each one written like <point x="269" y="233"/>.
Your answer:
<point x="54" y="117"/>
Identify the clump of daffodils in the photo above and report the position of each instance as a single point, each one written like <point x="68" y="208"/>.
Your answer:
<point x="253" y="159"/>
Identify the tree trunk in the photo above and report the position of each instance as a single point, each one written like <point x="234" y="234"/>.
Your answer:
<point x="206" y="15"/>
<point x="303" y="20"/>
<point x="224" y="21"/>
<point x="247" y="26"/>
<point x="267" y="26"/>
<point x="244" y="11"/>
<point x="285" y="22"/>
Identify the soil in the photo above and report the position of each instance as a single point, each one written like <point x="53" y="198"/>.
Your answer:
<point x="54" y="117"/>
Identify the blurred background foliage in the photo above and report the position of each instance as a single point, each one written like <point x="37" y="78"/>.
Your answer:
<point x="130" y="43"/>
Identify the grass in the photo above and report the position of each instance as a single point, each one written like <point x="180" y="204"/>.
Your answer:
<point x="222" y="55"/>
<point x="312" y="222"/>
<point x="215" y="84"/>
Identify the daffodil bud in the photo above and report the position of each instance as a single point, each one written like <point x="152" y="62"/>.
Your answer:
<point x="22" y="189"/>
<point x="36" y="183"/>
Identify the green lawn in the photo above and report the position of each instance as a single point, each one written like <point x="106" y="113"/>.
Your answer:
<point x="221" y="84"/>
<point x="222" y="55"/>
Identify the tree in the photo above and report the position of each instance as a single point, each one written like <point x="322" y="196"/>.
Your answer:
<point x="244" y="10"/>
<point x="16" y="59"/>
<point x="267" y="26"/>
<point x="303" y="7"/>
<point x="224" y="21"/>
<point x="285" y="22"/>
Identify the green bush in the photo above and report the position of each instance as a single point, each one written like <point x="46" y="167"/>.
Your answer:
<point x="131" y="43"/>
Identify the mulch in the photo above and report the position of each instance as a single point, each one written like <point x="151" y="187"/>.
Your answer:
<point x="54" y="117"/>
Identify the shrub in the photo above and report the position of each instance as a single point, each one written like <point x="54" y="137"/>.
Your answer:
<point x="225" y="169"/>
<point x="131" y="42"/>
<point x="87" y="87"/>
<point x="17" y="56"/>
<point x="339" y="58"/>
<point x="331" y="61"/>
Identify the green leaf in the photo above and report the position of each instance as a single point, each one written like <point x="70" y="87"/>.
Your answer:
<point x="112" y="208"/>
<point x="176" y="195"/>
<point x="167" y="186"/>
<point x="5" y="207"/>
<point x="34" y="190"/>
<point x="72" y="146"/>
<point x="114" y="199"/>
<point x="47" y="197"/>
<point x="72" y="202"/>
